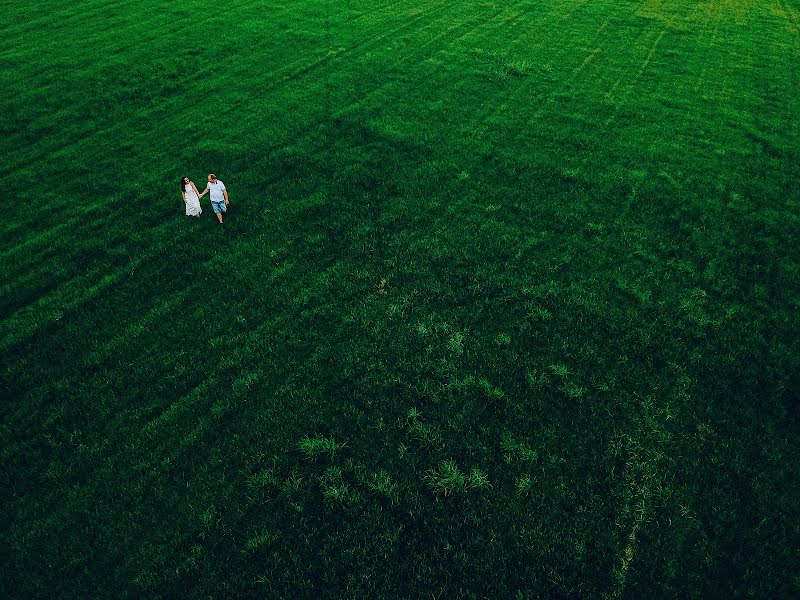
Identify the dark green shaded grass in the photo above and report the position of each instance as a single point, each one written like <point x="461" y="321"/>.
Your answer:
<point x="549" y="243"/>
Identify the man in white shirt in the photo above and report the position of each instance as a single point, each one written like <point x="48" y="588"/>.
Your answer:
<point x="219" y="195"/>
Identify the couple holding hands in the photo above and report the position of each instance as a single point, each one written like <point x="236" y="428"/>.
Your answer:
<point x="191" y="197"/>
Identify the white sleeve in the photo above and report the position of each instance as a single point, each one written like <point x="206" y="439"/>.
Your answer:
<point x="208" y="185"/>
<point x="221" y="185"/>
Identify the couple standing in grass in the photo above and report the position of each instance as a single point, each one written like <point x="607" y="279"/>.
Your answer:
<point x="191" y="197"/>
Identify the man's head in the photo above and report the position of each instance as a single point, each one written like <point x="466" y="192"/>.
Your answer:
<point x="212" y="178"/>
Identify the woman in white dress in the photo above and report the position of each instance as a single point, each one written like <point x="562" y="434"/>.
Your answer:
<point x="191" y="197"/>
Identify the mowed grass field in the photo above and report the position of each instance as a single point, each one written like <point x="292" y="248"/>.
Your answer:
<point x="505" y="304"/>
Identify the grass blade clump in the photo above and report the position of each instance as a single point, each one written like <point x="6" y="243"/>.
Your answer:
<point x="523" y="485"/>
<point x="313" y="448"/>
<point x="382" y="484"/>
<point x="260" y="540"/>
<point x="478" y="479"/>
<point x="446" y="478"/>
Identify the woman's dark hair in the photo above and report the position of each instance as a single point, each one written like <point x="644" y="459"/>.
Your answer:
<point x="183" y="184"/>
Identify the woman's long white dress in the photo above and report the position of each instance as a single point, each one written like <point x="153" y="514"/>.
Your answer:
<point x="192" y="203"/>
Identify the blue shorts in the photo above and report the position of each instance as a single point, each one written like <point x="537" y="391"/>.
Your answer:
<point x="218" y="206"/>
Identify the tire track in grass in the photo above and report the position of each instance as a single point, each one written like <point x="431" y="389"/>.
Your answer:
<point x="194" y="412"/>
<point x="643" y="478"/>
<point x="297" y="70"/>
<point x="125" y="424"/>
<point x="124" y="339"/>
<point x="564" y="84"/>
<point x="446" y="39"/>
<point x="31" y="257"/>
<point x="492" y="106"/>
<point x="543" y="23"/>
<point x="610" y="93"/>
<point x="435" y="45"/>
<point x="71" y="147"/>
<point x="344" y="53"/>
<point x="512" y="19"/>
<point x="115" y="351"/>
<point x="74" y="292"/>
<point x="791" y="15"/>
<point x="550" y="100"/>
<point x="729" y="97"/>
<point x="701" y="75"/>
<point x="259" y="340"/>
<point x="632" y="85"/>
<point x="170" y="414"/>
<point x="596" y="46"/>
<point x="637" y="508"/>
<point x="162" y="440"/>
<point x="312" y="126"/>
<point x="13" y="29"/>
<point x="594" y="52"/>
<point x="111" y="52"/>
<point x="423" y="52"/>
<point x="372" y="42"/>
<point x="442" y="38"/>
<point x="589" y="58"/>
<point x="54" y="233"/>
<point x="80" y="288"/>
<point x="708" y="16"/>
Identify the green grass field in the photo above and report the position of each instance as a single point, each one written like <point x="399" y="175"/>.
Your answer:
<point x="506" y="304"/>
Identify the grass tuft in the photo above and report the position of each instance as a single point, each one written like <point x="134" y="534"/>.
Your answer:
<point x="314" y="448"/>
<point x="478" y="479"/>
<point x="381" y="483"/>
<point x="446" y="478"/>
<point x="490" y="391"/>
<point x="260" y="540"/>
<point x="523" y="485"/>
<point x="264" y="478"/>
